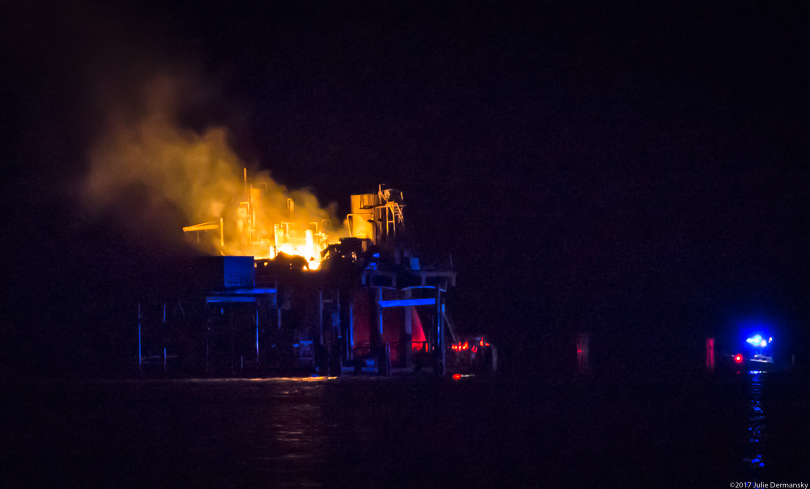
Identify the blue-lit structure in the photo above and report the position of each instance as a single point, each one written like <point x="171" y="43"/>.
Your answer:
<point x="758" y="344"/>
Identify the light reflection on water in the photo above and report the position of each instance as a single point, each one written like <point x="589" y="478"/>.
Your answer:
<point x="425" y="432"/>
<point x="265" y="380"/>
<point x="756" y="429"/>
<point x="270" y="431"/>
<point x="290" y="442"/>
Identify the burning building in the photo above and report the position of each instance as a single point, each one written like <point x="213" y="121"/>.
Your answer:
<point x="286" y="289"/>
<point x="257" y="231"/>
<point x="285" y="283"/>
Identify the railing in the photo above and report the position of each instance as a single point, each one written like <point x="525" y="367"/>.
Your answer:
<point x="398" y="212"/>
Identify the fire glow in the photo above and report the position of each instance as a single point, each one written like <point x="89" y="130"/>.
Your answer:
<point x="254" y="233"/>
<point x="154" y="173"/>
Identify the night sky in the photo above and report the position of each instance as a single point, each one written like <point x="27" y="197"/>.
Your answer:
<point x="637" y="172"/>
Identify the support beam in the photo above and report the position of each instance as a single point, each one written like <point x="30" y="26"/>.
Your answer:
<point x="338" y="325"/>
<point x="408" y="313"/>
<point x="380" y="312"/>
<point x="206" y="226"/>
<point x="278" y="305"/>
<point x="163" y="337"/>
<point x="407" y="335"/>
<point x="320" y="316"/>
<point x="140" y="342"/>
<point x="350" y="334"/>
<point x="228" y="299"/>
<point x="405" y="302"/>
<point x="254" y="291"/>
<point x="439" y="349"/>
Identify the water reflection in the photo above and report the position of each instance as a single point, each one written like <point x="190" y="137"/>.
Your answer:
<point x="291" y="439"/>
<point x="754" y="451"/>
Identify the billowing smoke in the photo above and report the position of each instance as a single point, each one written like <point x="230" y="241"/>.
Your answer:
<point x="106" y="105"/>
<point x="192" y="176"/>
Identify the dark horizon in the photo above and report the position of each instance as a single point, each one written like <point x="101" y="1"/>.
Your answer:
<point x="632" y="171"/>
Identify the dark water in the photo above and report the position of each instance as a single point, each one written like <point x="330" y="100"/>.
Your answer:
<point x="415" y="432"/>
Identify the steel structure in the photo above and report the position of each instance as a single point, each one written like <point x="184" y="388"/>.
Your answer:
<point x="369" y="306"/>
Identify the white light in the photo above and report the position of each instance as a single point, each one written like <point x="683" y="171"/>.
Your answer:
<point x="764" y="343"/>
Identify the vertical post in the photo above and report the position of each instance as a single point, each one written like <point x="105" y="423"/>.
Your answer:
<point x="583" y="340"/>
<point x="334" y="340"/>
<point x="257" y="334"/>
<point x="230" y="330"/>
<point x="710" y="355"/>
<point x="278" y="304"/>
<point x="350" y="335"/>
<point x="320" y="315"/>
<point x="444" y="339"/>
<point x="408" y="314"/>
<point x="221" y="232"/>
<point x="387" y="359"/>
<point x="164" y="337"/>
<point x="140" y="343"/>
<point x="320" y="352"/>
<point x="439" y="353"/>
<point x="407" y="335"/>
<point x="338" y="325"/>
<point x="380" y="313"/>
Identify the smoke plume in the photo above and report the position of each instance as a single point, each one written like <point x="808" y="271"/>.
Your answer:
<point x="173" y="169"/>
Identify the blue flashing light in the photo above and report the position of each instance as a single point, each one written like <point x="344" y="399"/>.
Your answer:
<point x="754" y="340"/>
<point x="757" y="341"/>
